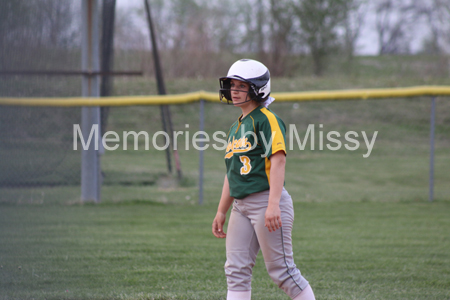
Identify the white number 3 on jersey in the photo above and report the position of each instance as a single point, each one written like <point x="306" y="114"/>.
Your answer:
<point x="245" y="169"/>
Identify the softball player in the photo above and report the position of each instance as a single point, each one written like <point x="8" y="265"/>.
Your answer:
<point x="262" y="214"/>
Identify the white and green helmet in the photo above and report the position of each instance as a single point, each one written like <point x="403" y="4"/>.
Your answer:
<point x="252" y="72"/>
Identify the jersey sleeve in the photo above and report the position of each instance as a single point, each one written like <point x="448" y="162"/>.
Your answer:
<point x="272" y="134"/>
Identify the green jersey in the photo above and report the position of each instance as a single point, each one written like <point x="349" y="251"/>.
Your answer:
<point x="251" y="142"/>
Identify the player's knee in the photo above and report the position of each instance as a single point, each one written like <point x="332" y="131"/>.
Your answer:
<point x="238" y="271"/>
<point x="287" y="277"/>
<point x="278" y="272"/>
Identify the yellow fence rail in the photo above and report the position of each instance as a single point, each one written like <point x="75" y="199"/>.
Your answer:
<point x="357" y="94"/>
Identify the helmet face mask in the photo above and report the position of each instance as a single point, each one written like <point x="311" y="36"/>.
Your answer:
<point x="225" y="91"/>
<point x="253" y="73"/>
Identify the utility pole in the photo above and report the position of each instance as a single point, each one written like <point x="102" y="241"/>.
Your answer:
<point x="165" y="109"/>
<point x="90" y="116"/>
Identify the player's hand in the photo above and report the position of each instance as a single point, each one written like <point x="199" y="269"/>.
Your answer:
<point x="217" y="225"/>
<point x="273" y="218"/>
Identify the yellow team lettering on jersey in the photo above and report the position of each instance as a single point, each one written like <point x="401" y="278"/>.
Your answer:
<point x="246" y="168"/>
<point x="238" y="146"/>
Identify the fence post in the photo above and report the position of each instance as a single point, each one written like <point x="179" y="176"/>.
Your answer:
<point x="201" y="154"/>
<point x="432" y="127"/>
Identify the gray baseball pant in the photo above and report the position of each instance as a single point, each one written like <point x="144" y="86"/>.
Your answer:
<point x="246" y="234"/>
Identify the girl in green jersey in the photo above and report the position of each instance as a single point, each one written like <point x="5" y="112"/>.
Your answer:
<point x="262" y="213"/>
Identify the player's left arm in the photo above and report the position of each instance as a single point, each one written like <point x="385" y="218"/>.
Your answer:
<point x="277" y="171"/>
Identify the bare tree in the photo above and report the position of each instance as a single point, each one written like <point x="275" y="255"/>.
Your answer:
<point x="249" y="24"/>
<point x="354" y="21"/>
<point x="436" y="14"/>
<point x="34" y="34"/>
<point x="394" y="21"/>
<point x="129" y="30"/>
<point x="260" y="24"/>
<point x="56" y="20"/>
<point x="41" y="23"/>
<point x="281" y="25"/>
<point x="15" y="17"/>
<point x="444" y="16"/>
<point x="319" y="20"/>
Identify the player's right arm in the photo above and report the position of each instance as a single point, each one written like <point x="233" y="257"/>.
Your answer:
<point x="225" y="202"/>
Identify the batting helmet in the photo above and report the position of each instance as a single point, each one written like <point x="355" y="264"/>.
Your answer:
<point x="252" y="72"/>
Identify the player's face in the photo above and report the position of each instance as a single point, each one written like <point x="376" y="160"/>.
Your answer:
<point x="239" y="91"/>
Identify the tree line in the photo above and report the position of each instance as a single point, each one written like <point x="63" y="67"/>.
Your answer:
<point x="277" y="30"/>
<point x="195" y="36"/>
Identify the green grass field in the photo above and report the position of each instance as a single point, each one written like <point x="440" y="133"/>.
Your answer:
<point x="364" y="228"/>
<point x="147" y="250"/>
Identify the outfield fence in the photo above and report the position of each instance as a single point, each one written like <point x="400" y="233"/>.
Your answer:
<point x="54" y="52"/>
<point x="37" y="133"/>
